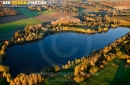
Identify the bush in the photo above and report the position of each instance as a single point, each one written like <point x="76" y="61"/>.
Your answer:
<point x="53" y="68"/>
<point x="104" y="62"/>
<point x="118" y="54"/>
<point x="93" y="69"/>
<point x="78" y="79"/>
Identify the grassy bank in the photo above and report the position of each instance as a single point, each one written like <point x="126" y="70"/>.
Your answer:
<point x="109" y="75"/>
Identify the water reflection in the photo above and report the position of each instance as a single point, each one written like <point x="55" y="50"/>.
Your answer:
<point x="32" y="58"/>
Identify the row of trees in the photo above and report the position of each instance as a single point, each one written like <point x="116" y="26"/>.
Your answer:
<point x="31" y="32"/>
<point x="2" y="53"/>
<point x="8" y="11"/>
<point x="71" y="63"/>
<point x="53" y="68"/>
<point x="65" y="21"/>
<point x="98" y="60"/>
<point x="5" y="71"/>
<point x="33" y="8"/>
<point x="31" y="79"/>
<point x="104" y="22"/>
<point x="62" y="8"/>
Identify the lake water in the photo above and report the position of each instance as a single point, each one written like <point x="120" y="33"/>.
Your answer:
<point x="57" y="49"/>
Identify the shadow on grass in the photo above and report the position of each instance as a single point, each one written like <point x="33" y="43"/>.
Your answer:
<point x="122" y="75"/>
<point x="3" y="81"/>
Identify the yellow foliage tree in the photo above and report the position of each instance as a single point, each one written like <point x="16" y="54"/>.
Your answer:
<point x="79" y="79"/>
<point x="118" y="54"/>
<point x="93" y="69"/>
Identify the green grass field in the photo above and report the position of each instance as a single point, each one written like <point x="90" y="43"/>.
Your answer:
<point x="27" y="12"/>
<point x="47" y="11"/>
<point x="7" y="29"/>
<point x="109" y="75"/>
<point x="18" y="24"/>
<point x="85" y="11"/>
<point x="23" y="22"/>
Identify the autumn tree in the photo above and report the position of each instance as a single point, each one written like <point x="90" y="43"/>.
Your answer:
<point x="118" y="54"/>
<point x="17" y="34"/>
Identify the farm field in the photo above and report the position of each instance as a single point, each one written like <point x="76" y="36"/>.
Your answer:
<point x="29" y="17"/>
<point x="9" y="25"/>
<point x="52" y="16"/>
<point x="18" y="24"/>
<point x="44" y="18"/>
<point x="28" y="13"/>
<point x="47" y="12"/>
<point x="8" y="34"/>
<point x="11" y="18"/>
<point x="123" y="3"/>
<point x="8" y="29"/>
<point x="85" y="11"/>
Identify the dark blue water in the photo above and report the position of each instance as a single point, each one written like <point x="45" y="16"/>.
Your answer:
<point x="57" y="49"/>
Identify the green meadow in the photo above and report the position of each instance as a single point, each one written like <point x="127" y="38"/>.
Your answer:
<point x="47" y="11"/>
<point x="29" y="13"/>
<point x="23" y="22"/>
<point x="26" y="12"/>
<point x="109" y="75"/>
<point x="18" y="24"/>
<point x="7" y="29"/>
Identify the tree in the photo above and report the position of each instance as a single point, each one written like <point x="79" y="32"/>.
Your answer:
<point x="76" y="70"/>
<point x="72" y="63"/>
<point x="63" y="66"/>
<point x="117" y="48"/>
<point x="31" y="79"/>
<point x="39" y="9"/>
<point x="69" y="63"/>
<point x="118" y="54"/>
<point x="104" y="62"/>
<point x="57" y="68"/>
<point x="17" y="34"/>
<point x="127" y="49"/>
<point x="93" y="69"/>
<point x="66" y="66"/>
<point x="79" y="78"/>
<point x="109" y="58"/>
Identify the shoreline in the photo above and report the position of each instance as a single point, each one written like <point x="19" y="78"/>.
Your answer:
<point x="42" y="33"/>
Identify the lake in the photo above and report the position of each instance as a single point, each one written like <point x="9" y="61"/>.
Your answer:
<point x="57" y="49"/>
